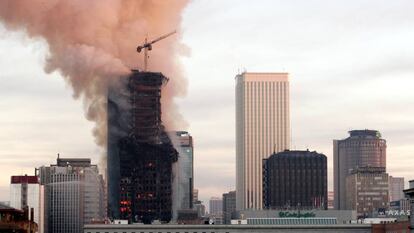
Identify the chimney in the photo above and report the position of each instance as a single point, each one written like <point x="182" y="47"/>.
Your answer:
<point x="31" y="215"/>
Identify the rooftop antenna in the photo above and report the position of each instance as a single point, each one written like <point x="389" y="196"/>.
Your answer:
<point x="147" y="46"/>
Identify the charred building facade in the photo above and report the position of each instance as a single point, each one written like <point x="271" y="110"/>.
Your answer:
<point x="140" y="153"/>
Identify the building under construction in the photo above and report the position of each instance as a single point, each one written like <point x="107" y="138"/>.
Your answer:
<point x="140" y="153"/>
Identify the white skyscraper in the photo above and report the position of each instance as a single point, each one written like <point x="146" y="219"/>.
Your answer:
<point x="74" y="195"/>
<point x="262" y="127"/>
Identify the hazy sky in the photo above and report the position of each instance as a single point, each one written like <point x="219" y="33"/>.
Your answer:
<point x="351" y="65"/>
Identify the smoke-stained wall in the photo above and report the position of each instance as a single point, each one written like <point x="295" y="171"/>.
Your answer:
<point x="140" y="153"/>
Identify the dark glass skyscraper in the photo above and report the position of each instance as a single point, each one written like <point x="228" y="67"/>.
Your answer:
<point x="363" y="148"/>
<point x="295" y="180"/>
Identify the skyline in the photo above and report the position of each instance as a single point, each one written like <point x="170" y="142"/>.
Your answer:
<point x="333" y="64"/>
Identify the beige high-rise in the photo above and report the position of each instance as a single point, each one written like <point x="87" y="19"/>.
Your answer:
<point x="262" y="127"/>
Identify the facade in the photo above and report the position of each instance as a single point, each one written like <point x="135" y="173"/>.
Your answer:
<point x="409" y="193"/>
<point x="215" y="206"/>
<point x="229" y="206"/>
<point x="188" y="216"/>
<point x="200" y="208"/>
<point x="262" y="127"/>
<point x="183" y="172"/>
<point x="367" y="191"/>
<point x="17" y="221"/>
<point x="340" y="216"/>
<point x="73" y="195"/>
<point x="330" y="200"/>
<point x="396" y="185"/>
<point x="25" y="193"/>
<point x="362" y="148"/>
<point x="338" y="228"/>
<point x="402" y="205"/>
<point x="295" y="180"/>
<point x="195" y="195"/>
<point x="140" y="152"/>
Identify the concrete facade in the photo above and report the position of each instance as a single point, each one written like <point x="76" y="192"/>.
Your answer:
<point x="25" y="192"/>
<point x="229" y="206"/>
<point x="215" y="205"/>
<point x="396" y="186"/>
<point x="357" y="228"/>
<point x="362" y="148"/>
<point x="262" y="127"/>
<point x="410" y="194"/>
<point x="367" y="191"/>
<point x="73" y="195"/>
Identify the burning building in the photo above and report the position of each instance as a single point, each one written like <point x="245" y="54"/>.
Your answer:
<point x="140" y="153"/>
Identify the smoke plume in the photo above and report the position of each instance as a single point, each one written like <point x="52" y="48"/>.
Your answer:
<point x="93" y="43"/>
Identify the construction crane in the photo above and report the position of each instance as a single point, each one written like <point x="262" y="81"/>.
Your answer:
<point x="148" y="46"/>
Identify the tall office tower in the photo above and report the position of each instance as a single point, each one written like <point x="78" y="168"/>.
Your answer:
<point x="74" y="195"/>
<point x="362" y="148"/>
<point x="229" y="206"/>
<point x="25" y="193"/>
<point x="396" y="185"/>
<point x="295" y="180"/>
<point x="262" y="127"/>
<point x="183" y="172"/>
<point x="215" y="206"/>
<point x="367" y="190"/>
<point x="140" y="153"/>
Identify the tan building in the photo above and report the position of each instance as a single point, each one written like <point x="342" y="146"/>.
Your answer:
<point x="367" y="190"/>
<point x="262" y="128"/>
<point x="362" y="148"/>
<point x="330" y="200"/>
<point x="396" y="188"/>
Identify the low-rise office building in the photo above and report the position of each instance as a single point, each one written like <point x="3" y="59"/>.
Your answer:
<point x="295" y="180"/>
<point x="229" y="206"/>
<point x="168" y="228"/>
<point x="367" y="190"/>
<point x="341" y="216"/>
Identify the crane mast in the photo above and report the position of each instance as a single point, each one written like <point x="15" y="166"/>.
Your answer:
<point x="147" y="46"/>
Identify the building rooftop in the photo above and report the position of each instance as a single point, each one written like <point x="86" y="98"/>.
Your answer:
<point x="364" y="133"/>
<point x="74" y="162"/>
<point x="297" y="153"/>
<point x="24" y="179"/>
<point x="368" y="169"/>
<point x="6" y="208"/>
<point x="264" y="76"/>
